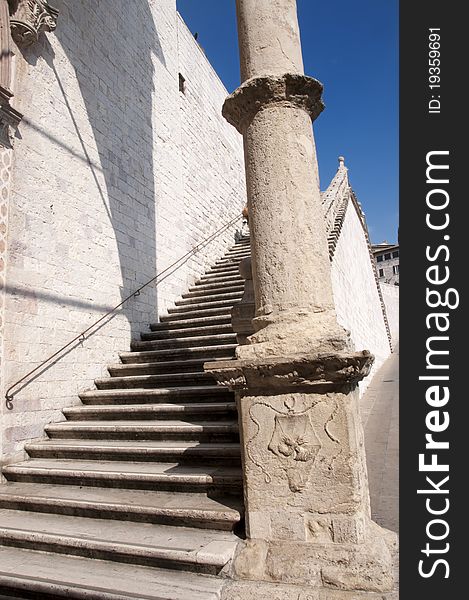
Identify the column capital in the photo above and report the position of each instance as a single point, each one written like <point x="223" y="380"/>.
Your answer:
<point x="28" y="18"/>
<point x="256" y="93"/>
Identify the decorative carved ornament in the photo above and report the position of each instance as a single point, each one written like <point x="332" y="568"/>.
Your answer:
<point x="285" y="442"/>
<point x="28" y="18"/>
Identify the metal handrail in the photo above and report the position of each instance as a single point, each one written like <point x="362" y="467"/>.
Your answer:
<point x="82" y="336"/>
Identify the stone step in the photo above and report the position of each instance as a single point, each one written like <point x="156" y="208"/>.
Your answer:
<point x="166" y="508"/>
<point x="219" y="281"/>
<point x="202" y="305"/>
<point x="230" y="256"/>
<point x="184" y="342"/>
<point x="198" y="430"/>
<point x="210" y="297"/>
<point x="167" y="354"/>
<point x="152" y="368"/>
<point x="228" y="454"/>
<point x="195" y="313"/>
<point x="191" y="365"/>
<point x="227" y="261"/>
<point x="223" y="270"/>
<point x="202" y="393"/>
<point x="161" y="334"/>
<point x="136" y="543"/>
<point x="216" y="288"/>
<point x="152" y="381"/>
<point x="207" y="279"/>
<point x="233" y="257"/>
<point x="32" y="575"/>
<point x="204" y="410"/>
<point x="244" y="242"/>
<point x="154" y="476"/>
<point x="202" y="322"/>
<point x="240" y="248"/>
<point x="244" y="248"/>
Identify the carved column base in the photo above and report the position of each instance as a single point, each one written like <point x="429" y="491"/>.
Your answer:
<point x="308" y="518"/>
<point x="270" y="590"/>
<point x="345" y="565"/>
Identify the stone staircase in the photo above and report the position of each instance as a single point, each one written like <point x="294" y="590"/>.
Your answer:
<point x="138" y="493"/>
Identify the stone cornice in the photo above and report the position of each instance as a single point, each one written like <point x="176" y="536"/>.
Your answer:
<point x="290" y="373"/>
<point x="256" y="93"/>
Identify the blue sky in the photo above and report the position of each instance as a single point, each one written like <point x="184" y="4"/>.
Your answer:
<point x="352" y="48"/>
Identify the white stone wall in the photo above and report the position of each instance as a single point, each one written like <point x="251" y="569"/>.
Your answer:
<point x="116" y="174"/>
<point x="391" y="300"/>
<point x="210" y="167"/>
<point x="356" y="294"/>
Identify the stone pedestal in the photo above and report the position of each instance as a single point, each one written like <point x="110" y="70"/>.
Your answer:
<point x="308" y="521"/>
<point x="305" y="484"/>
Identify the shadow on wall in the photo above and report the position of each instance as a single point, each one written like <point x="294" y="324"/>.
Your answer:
<point x="114" y="69"/>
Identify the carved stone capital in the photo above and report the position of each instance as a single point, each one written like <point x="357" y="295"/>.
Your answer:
<point x="28" y="18"/>
<point x="9" y="118"/>
<point x="258" y="92"/>
<point x="291" y="373"/>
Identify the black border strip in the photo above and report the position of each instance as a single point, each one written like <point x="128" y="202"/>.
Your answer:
<point x="421" y="132"/>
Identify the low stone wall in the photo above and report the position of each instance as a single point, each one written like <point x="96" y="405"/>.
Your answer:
<point x="356" y="295"/>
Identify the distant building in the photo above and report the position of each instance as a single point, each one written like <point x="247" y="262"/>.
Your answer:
<point x="387" y="262"/>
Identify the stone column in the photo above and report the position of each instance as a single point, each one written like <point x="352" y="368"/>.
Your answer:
<point x="305" y="483"/>
<point x="273" y="109"/>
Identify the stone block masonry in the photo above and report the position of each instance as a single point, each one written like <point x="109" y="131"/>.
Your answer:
<point x="116" y="174"/>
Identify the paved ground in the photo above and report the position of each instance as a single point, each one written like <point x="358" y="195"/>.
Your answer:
<point x="380" y="414"/>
